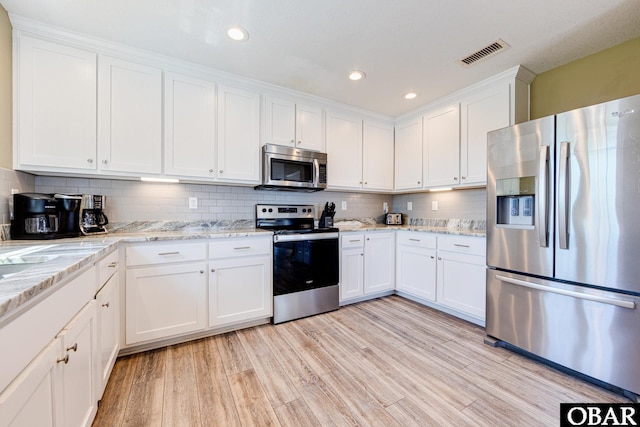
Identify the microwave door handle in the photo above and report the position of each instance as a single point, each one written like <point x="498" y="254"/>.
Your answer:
<point x="316" y="167"/>
<point x="563" y="183"/>
<point x="542" y="191"/>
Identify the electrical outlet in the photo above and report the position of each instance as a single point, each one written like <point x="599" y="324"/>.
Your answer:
<point x="14" y="191"/>
<point x="434" y="205"/>
<point x="344" y="205"/>
<point x="409" y="206"/>
<point x="385" y="207"/>
<point x="193" y="203"/>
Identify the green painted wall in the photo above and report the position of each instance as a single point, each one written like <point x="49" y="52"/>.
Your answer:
<point x="5" y="90"/>
<point x="609" y="74"/>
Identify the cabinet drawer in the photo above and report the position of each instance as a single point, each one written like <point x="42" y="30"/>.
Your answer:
<point x="422" y="240"/>
<point x="463" y="244"/>
<point x="106" y="267"/>
<point x="230" y="247"/>
<point x="165" y="253"/>
<point x="352" y="240"/>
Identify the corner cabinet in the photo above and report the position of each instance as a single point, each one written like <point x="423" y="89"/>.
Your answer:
<point x="408" y="155"/>
<point x="55" y="106"/>
<point x="441" y="138"/>
<point x="129" y="117"/>
<point x="240" y="280"/>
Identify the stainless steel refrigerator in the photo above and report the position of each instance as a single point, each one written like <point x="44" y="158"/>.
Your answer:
<point x="563" y="240"/>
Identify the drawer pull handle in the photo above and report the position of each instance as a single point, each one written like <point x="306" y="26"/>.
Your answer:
<point x="169" y="253"/>
<point x="106" y="304"/>
<point x="415" y="240"/>
<point x="354" y="241"/>
<point x="65" y="359"/>
<point x="242" y="247"/>
<point x="112" y="265"/>
<point x="460" y="246"/>
<point x="73" y="347"/>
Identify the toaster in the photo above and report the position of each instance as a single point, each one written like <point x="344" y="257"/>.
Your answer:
<point x="394" y="219"/>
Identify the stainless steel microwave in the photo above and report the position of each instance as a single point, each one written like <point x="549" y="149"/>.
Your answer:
<point x="287" y="168"/>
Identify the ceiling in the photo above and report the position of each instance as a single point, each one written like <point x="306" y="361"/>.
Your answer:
<point x="312" y="45"/>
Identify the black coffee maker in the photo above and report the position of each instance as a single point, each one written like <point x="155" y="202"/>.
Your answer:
<point x="38" y="216"/>
<point x="93" y="219"/>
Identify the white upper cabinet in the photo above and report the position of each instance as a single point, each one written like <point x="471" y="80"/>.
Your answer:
<point x="238" y="135"/>
<point x="377" y="156"/>
<point x="55" y="106"/>
<point x="189" y="126"/>
<point x="482" y="112"/>
<point x="293" y="125"/>
<point x="344" y="151"/>
<point x="441" y="163"/>
<point x="408" y="155"/>
<point x="129" y="117"/>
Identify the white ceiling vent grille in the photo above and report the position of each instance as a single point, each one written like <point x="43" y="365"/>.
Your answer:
<point x="484" y="53"/>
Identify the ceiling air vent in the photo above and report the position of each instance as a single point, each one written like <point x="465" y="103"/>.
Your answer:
<point x="487" y="51"/>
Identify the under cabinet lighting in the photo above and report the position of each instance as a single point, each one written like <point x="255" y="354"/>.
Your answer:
<point x="442" y="189"/>
<point x="165" y="180"/>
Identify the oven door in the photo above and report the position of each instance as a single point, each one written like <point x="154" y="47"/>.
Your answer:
<point x="304" y="261"/>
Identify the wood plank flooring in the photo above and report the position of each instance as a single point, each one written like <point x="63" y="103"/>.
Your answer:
<point x="385" y="362"/>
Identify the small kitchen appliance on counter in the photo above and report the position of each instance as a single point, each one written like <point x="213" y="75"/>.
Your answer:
<point x="393" y="219"/>
<point x="35" y="216"/>
<point x="326" y="218"/>
<point x="93" y="219"/>
<point x="305" y="261"/>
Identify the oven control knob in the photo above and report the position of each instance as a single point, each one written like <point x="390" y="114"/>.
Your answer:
<point x="304" y="210"/>
<point x="270" y="210"/>
<point x="264" y="209"/>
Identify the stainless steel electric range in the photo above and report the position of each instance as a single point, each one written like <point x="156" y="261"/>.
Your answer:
<point x="305" y="261"/>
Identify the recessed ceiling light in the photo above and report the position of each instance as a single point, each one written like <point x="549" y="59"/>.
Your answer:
<point x="237" y="33"/>
<point x="410" y="95"/>
<point x="357" y="75"/>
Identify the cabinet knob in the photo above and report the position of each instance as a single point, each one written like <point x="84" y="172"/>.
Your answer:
<point x="104" y="162"/>
<point x="368" y="238"/>
<point x="455" y="178"/>
<point x="73" y="347"/>
<point x="432" y="257"/>
<point x="418" y="182"/>
<point x="293" y="141"/>
<point x="213" y="270"/>
<point x="65" y="359"/>
<point x="221" y="171"/>
<point x="210" y="170"/>
<point x="106" y="305"/>
<point x="360" y="182"/>
<point x="361" y="254"/>
<point x="464" y="177"/>
<point x="299" y="142"/>
<point x="439" y="259"/>
<point x="89" y="160"/>
<point x="201" y="271"/>
<point x="365" y="183"/>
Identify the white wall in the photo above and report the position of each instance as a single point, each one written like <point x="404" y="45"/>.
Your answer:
<point x="142" y="201"/>
<point x="10" y="179"/>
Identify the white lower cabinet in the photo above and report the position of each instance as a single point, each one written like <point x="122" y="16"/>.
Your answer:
<point x="163" y="301"/>
<point x="108" y="309"/>
<point x="416" y="264"/>
<point x="367" y="265"/>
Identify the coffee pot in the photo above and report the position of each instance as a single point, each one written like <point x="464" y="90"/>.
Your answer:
<point x="92" y="216"/>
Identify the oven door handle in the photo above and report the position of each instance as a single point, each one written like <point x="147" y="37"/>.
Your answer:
<point x="278" y="238"/>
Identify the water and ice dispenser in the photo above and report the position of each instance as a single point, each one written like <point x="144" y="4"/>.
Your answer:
<point x="515" y="202"/>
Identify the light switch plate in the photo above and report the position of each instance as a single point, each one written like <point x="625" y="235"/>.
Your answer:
<point x="409" y="206"/>
<point x="344" y="205"/>
<point x="193" y="203"/>
<point x="434" y="205"/>
<point x="385" y="207"/>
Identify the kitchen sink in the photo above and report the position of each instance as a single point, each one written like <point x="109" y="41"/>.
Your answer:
<point x="16" y="261"/>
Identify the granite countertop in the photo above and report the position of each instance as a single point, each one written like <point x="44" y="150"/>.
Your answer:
<point x="456" y="227"/>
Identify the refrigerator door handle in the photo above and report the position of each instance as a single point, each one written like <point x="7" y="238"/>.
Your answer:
<point x="611" y="301"/>
<point x="543" y="197"/>
<point x="563" y="183"/>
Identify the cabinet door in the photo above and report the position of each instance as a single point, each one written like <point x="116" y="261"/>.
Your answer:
<point x="79" y="343"/>
<point x="163" y="301"/>
<point x="408" y="155"/>
<point x="108" y="307"/>
<point x="377" y="156"/>
<point x="379" y="262"/>
<point x="240" y="290"/>
<point x="238" y="135"/>
<point x="33" y="398"/>
<point x="129" y="116"/>
<point x="416" y="271"/>
<point x="481" y="113"/>
<point x="56" y="105"/>
<point x="344" y="151"/>
<point x="442" y="147"/>
<point x="280" y="121"/>
<point x="189" y="126"/>
<point x="351" y="273"/>
<point x="462" y="283"/>
<point x="309" y="128"/>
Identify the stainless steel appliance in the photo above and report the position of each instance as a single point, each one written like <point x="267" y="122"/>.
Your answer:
<point x="563" y="240"/>
<point x="393" y="219"/>
<point x="93" y="218"/>
<point x="294" y="169"/>
<point x="305" y="261"/>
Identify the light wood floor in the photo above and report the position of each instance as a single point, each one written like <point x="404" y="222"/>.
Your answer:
<point x="385" y="362"/>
